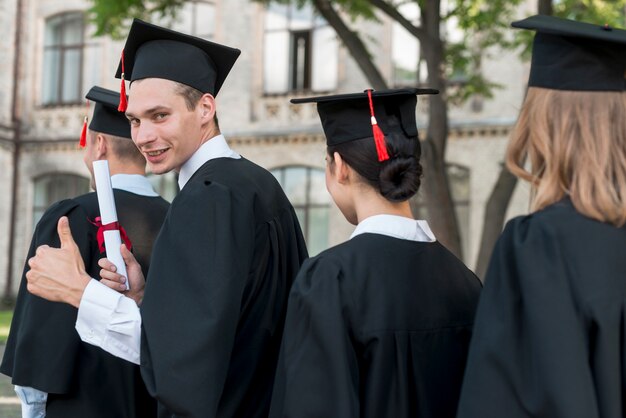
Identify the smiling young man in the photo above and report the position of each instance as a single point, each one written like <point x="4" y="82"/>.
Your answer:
<point x="215" y="300"/>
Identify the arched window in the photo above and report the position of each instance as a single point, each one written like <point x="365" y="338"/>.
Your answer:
<point x="165" y="185"/>
<point x="306" y="189"/>
<point x="51" y="188"/>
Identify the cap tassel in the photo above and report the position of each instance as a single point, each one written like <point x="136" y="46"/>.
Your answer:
<point x="83" y="133"/>
<point x="379" y="136"/>
<point x="123" y="102"/>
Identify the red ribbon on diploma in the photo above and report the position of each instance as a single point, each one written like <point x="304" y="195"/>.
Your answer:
<point x="113" y="226"/>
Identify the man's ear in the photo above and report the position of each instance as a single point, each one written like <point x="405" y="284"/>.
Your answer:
<point x="206" y="107"/>
<point x="101" y="147"/>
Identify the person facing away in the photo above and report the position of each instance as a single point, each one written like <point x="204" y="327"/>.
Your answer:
<point x="57" y="375"/>
<point x="216" y="295"/>
<point x="549" y="334"/>
<point x="378" y="326"/>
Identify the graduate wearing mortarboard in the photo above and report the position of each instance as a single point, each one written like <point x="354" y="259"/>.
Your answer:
<point x="378" y="326"/>
<point x="549" y="339"/>
<point x="215" y="298"/>
<point x="56" y="375"/>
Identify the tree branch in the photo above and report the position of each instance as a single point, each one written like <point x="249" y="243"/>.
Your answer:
<point x="393" y="13"/>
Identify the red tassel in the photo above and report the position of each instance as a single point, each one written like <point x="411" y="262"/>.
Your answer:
<point x="83" y="134"/>
<point x="123" y="103"/>
<point x="379" y="139"/>
<point x="379" y="136"/>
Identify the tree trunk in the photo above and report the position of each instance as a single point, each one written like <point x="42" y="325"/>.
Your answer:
<point x="437" y="189"/>
<point x="353" y="42"/>
<point x="495" y="211"/>
<point x="544" y="7"/>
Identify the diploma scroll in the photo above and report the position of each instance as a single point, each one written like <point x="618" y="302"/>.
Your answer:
<point x="108" y="214"/>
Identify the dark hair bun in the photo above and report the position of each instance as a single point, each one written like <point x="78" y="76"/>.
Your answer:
<point x="399" y="178"/>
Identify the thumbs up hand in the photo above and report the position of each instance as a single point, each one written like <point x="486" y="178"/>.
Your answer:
<point x="58" y="274"/>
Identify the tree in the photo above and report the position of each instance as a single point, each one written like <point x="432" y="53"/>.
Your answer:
<point x="485" y="24"/>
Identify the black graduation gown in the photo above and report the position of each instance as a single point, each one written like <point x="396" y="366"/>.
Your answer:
<point x="45" y="352"/>
<point x="549" y="339"/>
<point x="216" y="296"/>
<point x="376" y="327"/>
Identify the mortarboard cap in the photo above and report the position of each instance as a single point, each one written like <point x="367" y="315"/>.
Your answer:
<point x="570" y="55"/>
<point x="349" y="117"/>
<point x="106" y="119"/>
<point x="155" y="52"/>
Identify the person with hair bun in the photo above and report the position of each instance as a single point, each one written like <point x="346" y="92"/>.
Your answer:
<point x="550" y="335"/>
<point x="378" y="326"/>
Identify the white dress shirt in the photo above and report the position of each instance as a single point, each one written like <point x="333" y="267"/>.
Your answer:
<point x="112" y="321"/>
<point x="34" y="400"/>
<point x="395" y="226"/>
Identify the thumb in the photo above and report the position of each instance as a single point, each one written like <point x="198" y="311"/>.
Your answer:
<point x="65" y="233"/>
<point x="128" y="257"/>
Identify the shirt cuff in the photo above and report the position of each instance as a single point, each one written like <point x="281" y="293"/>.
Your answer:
<point x="110" y="320"/>
<point x="33" y="401"/>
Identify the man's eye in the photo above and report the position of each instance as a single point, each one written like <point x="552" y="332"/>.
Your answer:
<point x="159" y="116"/>
<point x="134" y="122"/>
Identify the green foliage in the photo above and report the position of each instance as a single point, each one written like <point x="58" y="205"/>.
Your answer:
<point x="5" y="324"/>
<point x="113" y="17"/>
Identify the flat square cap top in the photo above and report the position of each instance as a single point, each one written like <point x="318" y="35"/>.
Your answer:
<point x="578" y="56"/>
<point x="106" y="119"/>
<point x="347" y="117"/>
<point x="155" y="52"/>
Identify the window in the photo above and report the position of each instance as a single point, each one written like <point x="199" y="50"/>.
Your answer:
<point x="70" y="64"/>
<point x="197" y="18"/>
<point x="165" y="185"/>
<point x="459" y="180"/>
<point x="409" y="68"/>
<point x="51" y="188"/>
<point x="300" y="51"/>
<point x="306" y="189"/>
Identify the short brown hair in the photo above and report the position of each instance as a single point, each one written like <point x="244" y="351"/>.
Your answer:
<point x="576" y="143"/>
<point x="126" y="150"/>
<point x="192" y="97"/>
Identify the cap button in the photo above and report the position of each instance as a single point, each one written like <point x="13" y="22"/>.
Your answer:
<point x="607" y="27"/>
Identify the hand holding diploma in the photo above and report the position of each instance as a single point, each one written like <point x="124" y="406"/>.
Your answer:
<point x="117" y="282"/>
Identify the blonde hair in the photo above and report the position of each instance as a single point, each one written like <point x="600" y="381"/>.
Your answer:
<point x="576" y="143"/>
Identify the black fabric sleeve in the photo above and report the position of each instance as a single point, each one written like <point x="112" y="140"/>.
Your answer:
<point x="43" y="342"/>
<point x="318" y="372"/>
<point x="529" y="356"/>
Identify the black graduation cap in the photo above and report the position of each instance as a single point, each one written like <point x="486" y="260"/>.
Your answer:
<point x="153" y="51"/>
<point x="106" y="119"/>
<point x="349" y="117"/>
<point x="570" y="55"/>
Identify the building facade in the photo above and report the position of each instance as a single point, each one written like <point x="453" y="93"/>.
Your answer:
<point x="49" y="58"/>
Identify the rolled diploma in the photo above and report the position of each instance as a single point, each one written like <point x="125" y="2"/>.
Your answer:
<point x="108" y="214"/>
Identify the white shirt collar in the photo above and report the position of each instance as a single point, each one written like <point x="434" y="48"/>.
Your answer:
<point x="397" y="227"/>
<point x="133" y="183"/>
<point x="215" y="147"/>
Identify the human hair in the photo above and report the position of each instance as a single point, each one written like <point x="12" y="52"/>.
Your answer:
<point x="126" y="150"/>
<point x="192" y="97"/>
<point x="576" y="144"/>
<point x="396" y="179"/>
